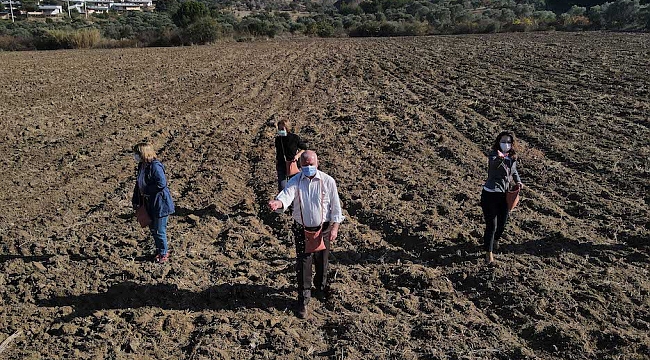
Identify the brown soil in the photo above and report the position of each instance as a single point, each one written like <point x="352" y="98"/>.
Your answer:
<point x="401" y="124"/>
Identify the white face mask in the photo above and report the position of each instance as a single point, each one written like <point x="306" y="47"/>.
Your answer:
<point x="137" y="158"/>
<point x="282" y="132"/>
<point x="505" y="147"/>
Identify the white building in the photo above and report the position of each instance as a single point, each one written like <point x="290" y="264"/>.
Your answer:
<point x="102" y="6"/>
<point x="6" y="3"/>
<point x="83" y="6"/>
<point x="50" y="10"/>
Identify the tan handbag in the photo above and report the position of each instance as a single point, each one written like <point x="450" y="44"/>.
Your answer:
<point x="314" y="239"/>
<point x="292" y="167"/>
<point x="512" y="194"/>
<point x="512" y="197"/>
<point x="142" y="215"/>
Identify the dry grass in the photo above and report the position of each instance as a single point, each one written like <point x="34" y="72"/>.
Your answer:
<point x="78" y="39"/>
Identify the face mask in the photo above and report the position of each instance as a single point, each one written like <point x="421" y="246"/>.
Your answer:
<point x="309" y="170"/>
<point x="137" y="158"/>
<point x="505" y="147"/>
<point x="282" y="132"/>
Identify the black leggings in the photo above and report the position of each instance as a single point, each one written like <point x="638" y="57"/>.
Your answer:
<point x="495" y="212"/>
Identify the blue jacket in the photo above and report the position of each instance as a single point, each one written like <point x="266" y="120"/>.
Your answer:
<point x="157" y="198"/>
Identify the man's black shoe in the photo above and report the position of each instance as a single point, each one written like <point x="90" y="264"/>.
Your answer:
<point x="302" y="310"/>
<point x="322" y="294"/>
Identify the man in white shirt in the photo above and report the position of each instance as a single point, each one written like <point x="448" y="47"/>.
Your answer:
<point x="316" y="205"/>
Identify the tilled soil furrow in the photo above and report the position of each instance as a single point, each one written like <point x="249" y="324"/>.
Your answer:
<point x="401" y="124"/>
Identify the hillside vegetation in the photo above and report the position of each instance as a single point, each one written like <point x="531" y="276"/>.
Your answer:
<point x="198" y="22"/>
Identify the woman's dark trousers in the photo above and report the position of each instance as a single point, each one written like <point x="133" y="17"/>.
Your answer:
<point x="495" y="212"/>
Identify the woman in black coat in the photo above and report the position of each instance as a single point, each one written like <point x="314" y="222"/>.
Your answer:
<point x="288" y="148"/>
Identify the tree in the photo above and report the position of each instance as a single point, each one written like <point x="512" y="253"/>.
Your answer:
<point x="544" y="17"/>
<point x="371" y="6"/>
<point x="29" y="5"/>
<point x="168" y="6"/>
<point x="439" y="17"/>
<point x="595" y="15"/>
<point x="622" y="14"/>
<point x="577" y="11"/>
<point x="189" y="12"/>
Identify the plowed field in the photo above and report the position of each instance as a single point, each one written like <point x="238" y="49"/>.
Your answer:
<point x="402" y="125"/>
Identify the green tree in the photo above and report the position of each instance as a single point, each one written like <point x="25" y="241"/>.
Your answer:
<point x="167" y="6"/>
<point x="439" y="17"/>
<point x="544" y="17"/>
<point x="371" y="6"/>
<point x="324" y="29"/>
<point x="596" y="17"/>
<point x="189" y="12"/>
<point x="30" y="5"/>
<point x="622" y="14"/>
<point x="577" y="11"/>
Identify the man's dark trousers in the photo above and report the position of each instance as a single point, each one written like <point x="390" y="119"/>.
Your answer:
<point x="304" y="263"/>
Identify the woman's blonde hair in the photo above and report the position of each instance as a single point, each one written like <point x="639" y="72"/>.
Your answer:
<point x="145" y="150"/>
<point x="286" y="124"/>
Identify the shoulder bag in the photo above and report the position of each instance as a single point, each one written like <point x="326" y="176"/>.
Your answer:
<point x="314" y="239"/>
<point x="512" y="192"/>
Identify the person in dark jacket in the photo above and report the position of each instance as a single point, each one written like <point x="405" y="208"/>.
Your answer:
<point x="152" y="192"/>
<point x="288" y="148"/>
<point x="502" y="173"/>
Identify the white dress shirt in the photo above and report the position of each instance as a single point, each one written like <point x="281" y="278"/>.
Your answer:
<point x="311" y="191"/>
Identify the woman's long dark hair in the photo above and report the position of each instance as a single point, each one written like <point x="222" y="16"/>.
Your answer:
<point x="515" y="146"/>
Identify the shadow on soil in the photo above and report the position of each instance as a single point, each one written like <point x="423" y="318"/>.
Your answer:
<point x="169" y="297"/>
<point x="556" y="244"/>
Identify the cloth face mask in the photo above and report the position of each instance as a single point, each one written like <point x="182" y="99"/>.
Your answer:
<point x="309" y="170"/>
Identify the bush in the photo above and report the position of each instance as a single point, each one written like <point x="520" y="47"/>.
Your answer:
<point x="85" y="38"/>
<point x="321" y="28"/>
<point x="168" y="37"/>
<point x="489" y="26"/>
<point x="523" y="24"/>
<point x="544" y="17"/>
<point x="202" y="31"/>
<point x="297" y="28"/>
<point x="388" y="28"/>
<point x="350" y="9"/>
<point x="64" y="39"/>
<point x="116" y="44"/>
<point x="596" y="17"/>
<point x="14" y="43"/>
<point x="52" y="40"/>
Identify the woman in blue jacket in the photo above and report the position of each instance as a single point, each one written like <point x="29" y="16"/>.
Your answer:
<point x="502" y="173"/>
<point x="152" y="192"/>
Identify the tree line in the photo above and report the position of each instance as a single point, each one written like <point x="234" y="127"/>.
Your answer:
<point x="178" y="22"/>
